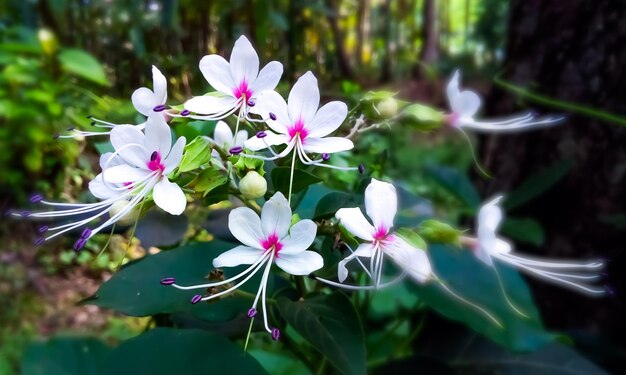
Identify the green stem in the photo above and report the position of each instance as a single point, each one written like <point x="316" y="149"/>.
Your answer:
<point x="322" y="368"/>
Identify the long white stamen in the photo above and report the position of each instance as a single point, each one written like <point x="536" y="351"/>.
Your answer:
<point x="264" y="289"/>
<point x="286" y="151"/>
<point x="215" y="116"/>
<point x="509" y="125"/>
<point x="546" y="264"/>
<point x="506" y="295"/>
<point x="365" y="287"/>
<point x="306" y="160"/>
<point x="215" y="284"/>
<point x="361" y="263"/>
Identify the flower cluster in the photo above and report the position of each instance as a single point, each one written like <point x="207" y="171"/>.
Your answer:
<point x="146" y="167"/>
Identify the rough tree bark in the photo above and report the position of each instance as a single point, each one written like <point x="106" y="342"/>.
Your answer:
<point x="572" y="51"/>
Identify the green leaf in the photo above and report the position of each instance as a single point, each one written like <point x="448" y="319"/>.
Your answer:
<point x="65" y="356"/>
<point x="136" y="291"/>
<point x="456" y="183"/>
<point x="477" y="283"/>
<point x="84" y="65"/>
<point x="524" y="230"/>
<point x="331" y="324"/>
<point x="158" y="228"/>
<point x="279" y="363"/>
<point x="208" y="180"/>
<point x="301" y="179"/>
<point x="422" y="117"/>
<point x="197" y="153"/>
<point x="537" y="184"/>
<point x="332" y="202"/>
<point x="412" y="238"/>
<point x="172" y="351"/>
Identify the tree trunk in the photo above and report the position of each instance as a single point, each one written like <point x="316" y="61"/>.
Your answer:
<point x="572" y="51"/>
<point x="430" y="49"/>
<point x="340" y="51"/>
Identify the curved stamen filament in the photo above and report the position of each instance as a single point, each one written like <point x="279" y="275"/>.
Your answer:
<point x="545" y="264"/>
<point x="363" y="287"/>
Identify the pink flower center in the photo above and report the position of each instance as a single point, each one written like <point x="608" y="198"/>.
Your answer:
<point x="242" y="90"/>
<point x="155" y="162"/>
<point x="128" y="185"/>
<point x="380" y="234"/>
<point x="272" y="242"/>
<point x="298" y="129"/>
<point x="451" y="119"/>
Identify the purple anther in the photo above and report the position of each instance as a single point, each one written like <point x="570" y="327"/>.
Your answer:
<point x="275" y="334"/>
<point x="43" y="229"/>
<point x="56" y="136"/>
<point x="251" y="103"/>
<point x="252" y="312"/>
<point x="89" y="117"/>
<point x="325" y="156"/>
<point x="159" y="108"/>
<point x="39" y="241"/>
<point x="261" y="134"/>
<point x="185" y="112"/>
<point x="195" y="299"/>
<point x="168" y="281"/>
<point x="36" y="198"/>
<point x="272" y="116"/>
<point x="609" y="290"/>
<point x="361" y="168"/>
<point x="236" y="150"/>
<point x="71" y="128"/>
<point x="154" y="155"/>
<point x="93" y="123"/>
<point x="25" y="213"/>
<point x="79" y="244"/>
<point x="86" y="233"/>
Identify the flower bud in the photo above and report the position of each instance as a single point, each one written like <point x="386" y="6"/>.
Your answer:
<point x="387" y="108"/>
<point x="128" y="218"/>
<point x="436" y="231"/>
<point x="49" y="42"/>
<point x="253" y="185"/>
<point x="422" y="117"/>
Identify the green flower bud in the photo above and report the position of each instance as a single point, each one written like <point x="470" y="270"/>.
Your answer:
<point x="422" y="117"/>
<point x="387" y="108"/>
<point x="253" y="185"/>
<point x="436" y="231"/>
<point x="128" y="218"/>
<point x="49" y="42"/>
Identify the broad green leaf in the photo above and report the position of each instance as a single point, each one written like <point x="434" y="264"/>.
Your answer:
<point x="331" y="324"/>
<point x="477" y="283"/>
<point x="208" y="180"/>
<point x="332" y="202"/>
<point x="158" y="228"/>
<point x="65" y="356"/>
<point x="170" y="351"/>
<point x="197" y="153"/>
<point x="84" y="65"/>
<point x="136" y="291"/>
<point x="301" y="179"/>
<point x="523" y="230"/>
<point x="537" y="184"/>
<point x="279" y="363"/>
<point x="313" y="195"/>
<point x="456" y="183"/>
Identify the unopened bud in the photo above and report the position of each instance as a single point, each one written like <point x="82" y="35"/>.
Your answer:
<point x="129" y="217"/>
<point x="387" y="108"/>
<point x="253" y="185"/>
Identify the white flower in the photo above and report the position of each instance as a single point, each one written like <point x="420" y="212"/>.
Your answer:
<point x="138" y="167"/>
<point x="465" y="104"/>
<point x="144" y="100"/>
<point x="266" y="240"/>
<point x="489" y="247"/>
<point x="381" y="204"/>
<point x="223" y="137"/>
<point x="237" y="83"/>
<point x="299" y="124"/>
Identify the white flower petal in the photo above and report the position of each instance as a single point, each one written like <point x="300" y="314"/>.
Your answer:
<point x="237" y="256"/>
<point x="169" y="197"/>
<point x="327" y="119"/>
<point x="106" y="161"/>
<point x="354" y="221"/>
<point x="244" y="62"/>
<point x="129" y="142"/>
<point x="381" y="203"/>
<point x="158" y="135"/>
<point x="301" y="236"/>
<point x="241" y="137"/>
<point x="124" y="173"/>
<point x="271" y="139"/>
<point x="490" y="215"/>
<point x="452" y="89"/>
<point x="411" y="259"/>
<point x="175" y="156"/>
<point x="276" y="216"/>
<point x="210" y="104"/>
<point x="144" y="100"/>
<point x="272" y="102"/>
<point x="268" y="77"/>
<point x="160" y="85"/>
<point x="216" y="71"/>
<point x="100" y="190"/>
<point x="304" y="98"/>
<point x="365" y="250"/>
<point x="300" y="264"/>
<point x="327" y="145"/>
<point x="466" y="104"/>
<point x="222" y="135"/>
<point x="245" y="225"/>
